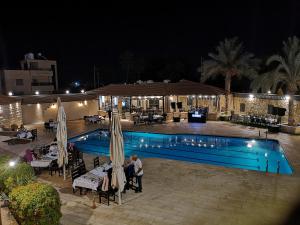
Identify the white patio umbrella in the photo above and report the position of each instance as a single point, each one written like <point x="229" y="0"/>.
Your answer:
<point x="117" y="155"/>
<point x="61" y="136"/>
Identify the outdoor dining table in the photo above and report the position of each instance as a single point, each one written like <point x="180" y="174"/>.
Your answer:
<point x="92" y="179"/>
<point x="44" y="161"/>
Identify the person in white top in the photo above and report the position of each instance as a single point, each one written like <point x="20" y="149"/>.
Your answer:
<point x="138" y="169"/>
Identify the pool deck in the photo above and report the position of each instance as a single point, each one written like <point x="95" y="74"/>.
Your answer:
<point x="178" y="192"/>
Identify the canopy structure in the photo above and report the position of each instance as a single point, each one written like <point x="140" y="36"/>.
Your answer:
<point x="117" y="155"/>
<point x="61" y="136"/>
<point x="183" y="87"/>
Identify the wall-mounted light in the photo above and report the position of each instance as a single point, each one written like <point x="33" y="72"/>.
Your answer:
<point x="10" y="93"/>
<point x="251" y="96"/>
<point x="82" y="91"/>
<point x="200" y="96"/>
<point x="269" y="92"/>
<point x="38" y="105"/>
<point x="80" y="104"/>
<point x="287" y="97"/>
<point x="213" y="96"/>
<point x="67" y="92"/>
<point x="53" y="106"/>
<point x="139" y="97"/>
<point x="85" y="102"/>
<point x="36" y="92"/>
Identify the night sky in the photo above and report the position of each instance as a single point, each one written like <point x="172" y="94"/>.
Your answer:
<point x="79" y="38"/>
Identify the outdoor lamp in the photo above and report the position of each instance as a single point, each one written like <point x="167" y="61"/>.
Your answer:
<point x="12" y="163"/>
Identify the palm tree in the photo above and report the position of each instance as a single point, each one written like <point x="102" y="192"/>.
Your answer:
<point x="127" y="63"/>
<point x="286" y="73"/>
<point x="230" y="60"/>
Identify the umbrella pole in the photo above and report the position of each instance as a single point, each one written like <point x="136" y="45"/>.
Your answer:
<point x="64" y="170"/>
<point x="119" y="193"/>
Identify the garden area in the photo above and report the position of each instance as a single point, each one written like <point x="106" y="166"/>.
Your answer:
<point x="30" y="202"/>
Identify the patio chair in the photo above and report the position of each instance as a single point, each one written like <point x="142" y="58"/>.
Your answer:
<point x="34" y="134"/>
<point x="75" y="173"/>
<point x="106" y="194"/>
<point x="53" y="167"/>
<point x="96" y="162"/>
<point x="82" y="168"/>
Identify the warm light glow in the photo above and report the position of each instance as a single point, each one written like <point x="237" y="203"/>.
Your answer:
<point x="53" y="106"/>
<point x="251" y="96"/>
<point x="12" y="163"/>
<point x="67" y="92"/>
<point x="200" y="96"/>
<point x="213" y="96"/>
<point x="38" y="105"/>
<point x="205" y="96"/>
<point x="85" y="102"/>
<point x="80" y="104"/>
<point x="10" y="93"/>
<point x="152" y="96"/>
<point x="193" y="96"/>
<point x="37" y="92"/>
<point x="287" y="97"/>
<point x="140" y="97"/>
<point x="269" y="92"/>
<point x="82" y="91"/>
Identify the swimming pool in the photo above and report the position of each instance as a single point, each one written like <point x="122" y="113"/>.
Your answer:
<point x="243" y="153"/>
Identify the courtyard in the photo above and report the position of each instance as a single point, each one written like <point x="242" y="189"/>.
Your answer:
<point x="177" y="192"/>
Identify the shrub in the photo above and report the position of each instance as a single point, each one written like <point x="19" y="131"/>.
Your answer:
<point x="35" y="204"/>
<point x="11" y="177"/>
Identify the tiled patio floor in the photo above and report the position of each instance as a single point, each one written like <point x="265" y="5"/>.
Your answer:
<point x="184" y="193"/>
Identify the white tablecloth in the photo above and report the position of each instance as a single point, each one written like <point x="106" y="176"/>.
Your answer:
<point x="91" y="179"/>
<point x="45" y="161"/>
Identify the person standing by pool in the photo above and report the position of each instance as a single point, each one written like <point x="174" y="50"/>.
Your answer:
<point x="109" y="114"/>
<point x="138" y="169"/>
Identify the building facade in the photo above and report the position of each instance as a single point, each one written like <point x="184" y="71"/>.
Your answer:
<point x="35" y="75"/>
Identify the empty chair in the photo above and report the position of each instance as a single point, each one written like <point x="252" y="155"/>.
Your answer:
<point x="82" y="168"/>
<point x="53" y="167"/>
<point x="34" y="134"/>
<point x="75" y="173"/>
<point x="96" y="162"/>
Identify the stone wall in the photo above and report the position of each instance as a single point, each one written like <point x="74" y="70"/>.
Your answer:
<point x="259" y="106"/>
<point x="39" y="113"/>
<point x="11" y="114"/>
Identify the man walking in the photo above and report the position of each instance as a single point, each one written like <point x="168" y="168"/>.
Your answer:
<point x="138" y="169"/>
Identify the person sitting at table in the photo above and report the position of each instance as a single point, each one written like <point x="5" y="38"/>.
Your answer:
<point x="30" y="156"/>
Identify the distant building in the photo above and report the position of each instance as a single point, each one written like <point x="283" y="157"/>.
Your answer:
<point x="35" y="75"/>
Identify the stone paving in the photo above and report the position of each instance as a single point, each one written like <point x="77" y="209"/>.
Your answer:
<point x="178" y="192"/>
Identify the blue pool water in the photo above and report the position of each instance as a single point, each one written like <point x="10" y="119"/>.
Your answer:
<point x="243" y="153"/>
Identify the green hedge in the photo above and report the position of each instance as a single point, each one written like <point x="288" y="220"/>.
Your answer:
<point x="35" y="204"/>
<point x="11" y="177"/>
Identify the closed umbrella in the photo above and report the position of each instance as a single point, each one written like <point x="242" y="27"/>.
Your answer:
<point x="61" y="136"/>
<point x="117" y="155"/>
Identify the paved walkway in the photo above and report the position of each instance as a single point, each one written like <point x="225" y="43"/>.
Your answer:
<point x="185" y="193"/>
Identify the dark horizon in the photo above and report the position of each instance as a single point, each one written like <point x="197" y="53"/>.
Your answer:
<point x="176" y="36"/>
